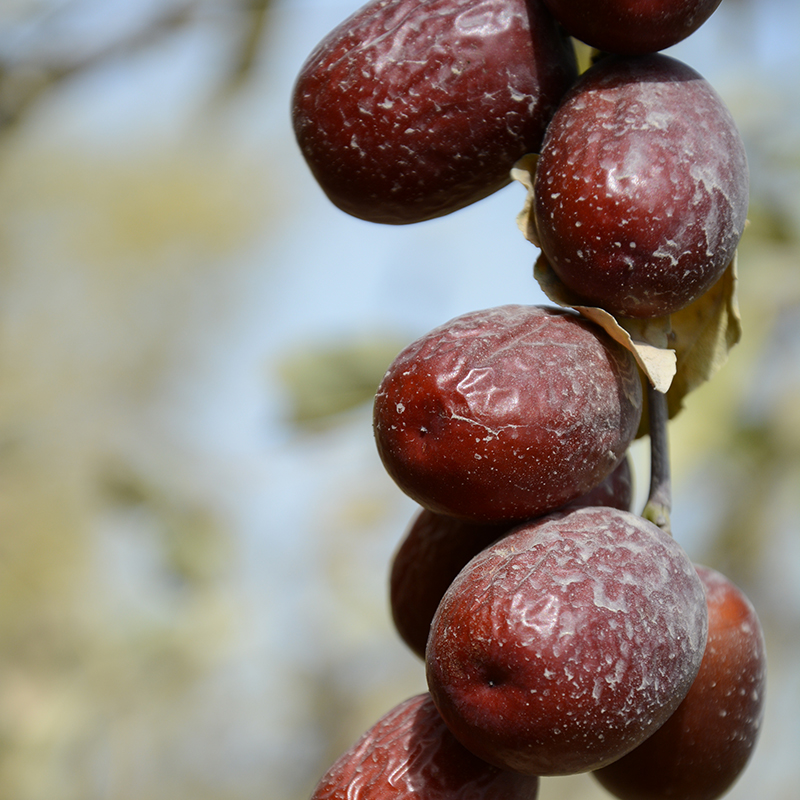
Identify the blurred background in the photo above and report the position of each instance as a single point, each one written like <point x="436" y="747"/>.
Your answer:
<point x="195" y="529"/>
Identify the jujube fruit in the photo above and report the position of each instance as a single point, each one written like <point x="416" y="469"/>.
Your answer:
<point x="412" y="109"/>
<point x="436" y="547"/>
<point x="434" y="550"/>
<point x="700" y="751"/>
<point x="631" y="27"/>
<point x="409" y="754"/>
<point x="506" y="413"/>
<point x="641" y="189"/>
<point x="564" y="645"/>
<point x="616" y="491"/>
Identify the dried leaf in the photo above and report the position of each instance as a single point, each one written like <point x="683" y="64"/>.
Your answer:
<point x="524" y="171"/>
<point x="677" y="353"/>
<point x="703" y="334"/>
<point x="647" y="339"/>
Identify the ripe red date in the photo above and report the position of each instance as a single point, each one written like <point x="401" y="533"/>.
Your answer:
<point x="564" y="645"/>
<point x="703" y="747"/>
<point x="506" y="413"/>
<point x="409" y="754"/>
<point x="436" y="548"/>
<point x="631" y="27"/>
<point x="412" y="109"/>
<point x="641" y="190"/>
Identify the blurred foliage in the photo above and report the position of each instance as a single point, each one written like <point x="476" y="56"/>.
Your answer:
<point x="744" y="430"/>
<point x="49" y="42"/>
<point x="84" y="660"/>
<point x="115" y="563"/>
<point x="324" y="380"/>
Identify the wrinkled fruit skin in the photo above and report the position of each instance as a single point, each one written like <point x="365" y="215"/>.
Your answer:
<point x="631" y="27"/>
<point x="409" y="754"/>
<point x="641" y="190"/>
<point x="616" y="491"/>
<point x="437" y="547"/>
<point x="506" y="413"/>
<point x="563" y="646"/>
<point x="433" y="551"/>
<point x="412" y="109"/>
<point x="703" y="747"/>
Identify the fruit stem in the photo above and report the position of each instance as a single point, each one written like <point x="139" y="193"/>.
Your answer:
<point x="659" y="501"/>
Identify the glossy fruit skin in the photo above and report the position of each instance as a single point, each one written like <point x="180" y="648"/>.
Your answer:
<point x="409" y="754"/>
<point x="566" y="644"/>
<point x="506" y="413"/>
<point x="703" y="747"/>
<point x="433" y="551"/>
<point x="616" y="491"/>
<point x="436" y="548"/>
<point x="412" y="109"/>
<point x="641" y="190"/>
<point x="631" y="27"/>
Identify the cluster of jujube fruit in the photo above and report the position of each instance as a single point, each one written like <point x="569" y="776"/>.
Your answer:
<point x="561" y="632"/>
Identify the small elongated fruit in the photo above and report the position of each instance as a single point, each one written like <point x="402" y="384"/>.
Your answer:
<point x="437" y="547"/>
<point x="567" y="643"/>
<point x="409" y="754"/>
<point x="412" y="109"/>
<point x="700" y="751"/>
<point x="641" y="190"/>
<point x="506" y="413"/>
<point x="631" y="27"/>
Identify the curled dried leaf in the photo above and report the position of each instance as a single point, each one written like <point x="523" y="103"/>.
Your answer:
<point x="524" y="171"/>
<point x="676" y="354"/>
<point x="648" y="340"/>
<point x="704" y="333"/>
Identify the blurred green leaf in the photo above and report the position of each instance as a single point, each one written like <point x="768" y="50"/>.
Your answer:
<point x="324" y="380"/>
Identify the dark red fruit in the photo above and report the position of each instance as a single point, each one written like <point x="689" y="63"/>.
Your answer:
<point x="641" y="188"/>
<point x="616" y="491"/>
<point x="506" y="413"/>
<point x="412" y="109"/>
<point x="409" y="754"/>
<point x="703" y="747"/>
<point x="433" y="551"/>
<point x="631" y="27"/>
<point x="437" y="547"/>
<point x="563" y="646"/>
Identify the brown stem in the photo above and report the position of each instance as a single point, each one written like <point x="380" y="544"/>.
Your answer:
<point x="659" y="501"/>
